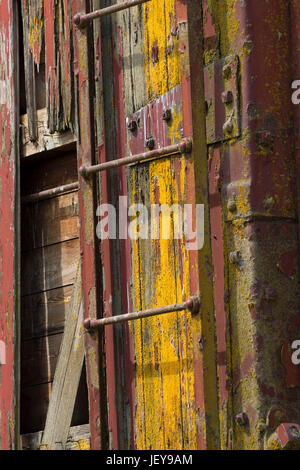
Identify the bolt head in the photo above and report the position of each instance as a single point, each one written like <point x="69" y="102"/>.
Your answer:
<point x="87" y="324"/>
<point x="167" y="115"/>
<point x="132" y="126"/>
<point x="82" y="171"/>
<point x="232" y="205"/>
<point x="228" y="127"/>
<point x="150" y="143"/>
<point x="227" y="97"/>
<point x="76" y="19"/>
<point x="265" y="139"/>
<point x="242" y="419"/>
<point x="269" y="203"/>
<point x="227" y="71"/>
<point x="193" y="305"/>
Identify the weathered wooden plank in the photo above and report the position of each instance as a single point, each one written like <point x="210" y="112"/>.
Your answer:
<point x="78" y="439"/>
<point x="50" y="267"/>
<point x="50" y="221"/>
<point x="55" y="169"/>
<point x="35" y="402"/>
<point x="67" y="373"/>
<point x="29" y="74"/>
<point x="161" y="268"/>
<point x="45" y="140"/>
<point x="129" y="29"/>
<point x="59" y="64"/>
<point x="44" y="314"/>
<point x="39" y="358"/>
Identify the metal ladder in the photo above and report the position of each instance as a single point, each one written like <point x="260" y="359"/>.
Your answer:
<point x="88" y="167"/>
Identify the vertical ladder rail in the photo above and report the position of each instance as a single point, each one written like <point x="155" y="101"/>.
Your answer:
<point x="91" y="271"/>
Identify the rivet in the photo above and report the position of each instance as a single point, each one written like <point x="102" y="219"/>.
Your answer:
<point x="265" y="139"/>
<point x="269" y="203"/>
<point x="231" y="205"/>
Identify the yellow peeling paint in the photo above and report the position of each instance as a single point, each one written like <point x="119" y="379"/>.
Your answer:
<point x="160" y="20"/>
<point x="226" y="22"/>
<point x="165" y="404"/>
<point x="165" y="415"/>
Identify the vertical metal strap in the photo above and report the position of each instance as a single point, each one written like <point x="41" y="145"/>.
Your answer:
<point x="90" y="268"/>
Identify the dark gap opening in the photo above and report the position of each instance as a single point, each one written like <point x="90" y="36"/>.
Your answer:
<point x="49" y="253"/>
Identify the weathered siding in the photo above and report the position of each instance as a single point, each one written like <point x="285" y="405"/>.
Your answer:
<point x="145" y="54"/>
<point x="256" y="174"/>
<point x="9" y="225"/>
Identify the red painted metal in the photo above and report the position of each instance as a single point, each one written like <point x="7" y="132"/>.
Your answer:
<point x="221" y="81"/>
<point x="151" y="125"/>
<point x="192" y="305"/>
<point x="215" y="205"/>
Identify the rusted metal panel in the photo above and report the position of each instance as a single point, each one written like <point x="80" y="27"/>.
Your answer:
<point x="9" y="226"/>
<point x="223" y="378"/>
<point x="222" y="97"/>
<point x="257" y="181"/>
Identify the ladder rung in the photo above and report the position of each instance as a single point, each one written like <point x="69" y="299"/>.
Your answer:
<point x="193" y="305"/>
<point x="83" y="20"/>
<point x="48" y="193"/>
<point x="185" y="146"/>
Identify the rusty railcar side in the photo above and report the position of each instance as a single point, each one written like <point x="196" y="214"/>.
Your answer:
<point x="149" y="76"/>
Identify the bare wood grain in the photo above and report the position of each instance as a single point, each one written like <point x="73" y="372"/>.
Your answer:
<point x="44" y="313"/>
<point x="50" y="221"/>
<point x="49" y="267"/>
<point x="67" y="373"/>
